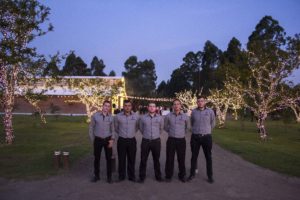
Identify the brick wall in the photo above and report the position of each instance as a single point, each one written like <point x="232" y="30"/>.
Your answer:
<point x="53" y="104"/>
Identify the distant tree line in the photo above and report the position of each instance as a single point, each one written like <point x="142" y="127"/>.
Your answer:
<point x="140" y="75"/>
<point x="75" y="66"/>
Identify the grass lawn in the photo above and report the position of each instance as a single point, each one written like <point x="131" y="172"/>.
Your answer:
<point x="30" y="156"/>
<point x="281" y="153"/>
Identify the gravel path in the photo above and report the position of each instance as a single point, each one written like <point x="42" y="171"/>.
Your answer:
<point x="234" y="179"/>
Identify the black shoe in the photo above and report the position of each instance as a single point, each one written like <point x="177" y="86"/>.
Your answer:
<point x="159" y="179"/>
<point x="182" y="179"/>
<point x="121" y="179"/>
<point x="132" y="179"/>
<point x="168" y="180"/>
<point x="191" y="177"/>
<point x="95" y="179"/>
<point x="210" y="180"/>
<point x="141" y="180"/>
<point x="109" y="180"/>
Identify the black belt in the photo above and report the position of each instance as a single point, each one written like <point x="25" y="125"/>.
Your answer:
<point x="175" y="138"/>
<point x="200" y="135"/>
<point x="126" y="138"/>
<point x="151" y="139"/>
<point x="106" y="138"/>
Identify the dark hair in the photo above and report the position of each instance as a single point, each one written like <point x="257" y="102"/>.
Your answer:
<point x="176" y="100"/>
<point x="151" y="102"/>
<point x="127" y="101"/>
<point x="201" y="97"/>
<point x="106" y="101"/>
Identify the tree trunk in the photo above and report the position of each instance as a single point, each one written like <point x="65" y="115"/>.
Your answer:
<point x="296" y="112"/>
<point x="34" y="103"/>
<point x="7" y="118"/>
<point x="221" y="116"/>
<point x="88" y="112"/>
<point x="261" y="126"/>
<point x="8" y="102"/>
<point x="235" y="114"/>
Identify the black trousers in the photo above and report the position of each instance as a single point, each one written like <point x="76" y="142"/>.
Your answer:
<point x="100" y="143"/>
<point x="206" y="142"/>
<point x="178" y="146"/>
<point x="154" y="146"/>
<point x="126" y="151"/>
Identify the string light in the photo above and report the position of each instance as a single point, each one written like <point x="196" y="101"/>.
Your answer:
<point x="92" y="92"/>
<point x="293" y="102"/>
<point x="230" y="97"/>
<point x="187" y="98"/>
<point x="149" y="98"/>
<point x="34" y="102"/>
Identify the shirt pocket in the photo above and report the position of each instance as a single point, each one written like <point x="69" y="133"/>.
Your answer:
<point x="156" y="122"/>
<point x="180" y="121"/>
<point x="132" y="120"/>
<point x="206" y="117"/>
<point x="107" y="120"/>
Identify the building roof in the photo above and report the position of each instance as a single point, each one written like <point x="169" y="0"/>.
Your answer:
<point x="60" y="88"/>
<point x="86" y="77"/>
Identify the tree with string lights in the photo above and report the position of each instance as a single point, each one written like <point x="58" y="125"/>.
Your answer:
<point x="292" y="100"/>
<point x="294" y="104"/>
<point x="20" y="24"/>
<point x="221" y="101"/>
<point x="34" y="99"/>
<point x="188" y="99"/>
<point x="230" y="97"/>
<point x="272" y="57"/>
<point x="92" y="92"/>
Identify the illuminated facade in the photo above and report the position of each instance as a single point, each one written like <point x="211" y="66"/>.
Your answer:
<point x="60" y="97"/>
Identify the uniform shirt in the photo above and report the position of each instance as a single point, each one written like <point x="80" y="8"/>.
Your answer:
<point x="176" y="125"/>
<point x="101" y="126"/>
<point x="151" y="127"/>
<point x="203" y="121"/>
<point x="126" y="125"/>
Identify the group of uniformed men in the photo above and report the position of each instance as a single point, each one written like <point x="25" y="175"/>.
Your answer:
<point x="104" y="128"/>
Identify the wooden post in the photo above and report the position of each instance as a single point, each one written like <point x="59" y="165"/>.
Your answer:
<point x="56" y="159"/>
<point x="66" y="160"/>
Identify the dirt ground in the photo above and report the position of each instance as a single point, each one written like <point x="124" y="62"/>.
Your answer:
<point x="234" y="179"/>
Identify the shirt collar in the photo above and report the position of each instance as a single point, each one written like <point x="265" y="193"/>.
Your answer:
<point x="155" y="114"/>
<point x="123" y="113"/>
<point x="101" y="113"/>
<point x="178" y="113"/>
<point x="200" y="109"/>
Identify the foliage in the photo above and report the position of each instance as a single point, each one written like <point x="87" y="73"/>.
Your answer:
<point x="20" y="23"/>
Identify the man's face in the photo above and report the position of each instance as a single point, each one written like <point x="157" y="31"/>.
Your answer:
<point x="201" y="102"/>
<point x="152" y="108"/>
<point x="106" y="107"/>
<point x="127" y="107"/>
<point x="176" y="106"/>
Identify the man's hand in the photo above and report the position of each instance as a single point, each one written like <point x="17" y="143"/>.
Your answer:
<point x="110" y="143"/>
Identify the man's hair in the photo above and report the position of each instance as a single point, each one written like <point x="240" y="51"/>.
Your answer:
<point x="127" y="101"/>
<point x="176" y="100"/>
<point x="201" y="97"/>
<point x="106" y="101"/>
<point x="151" y="102"/>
